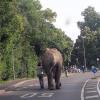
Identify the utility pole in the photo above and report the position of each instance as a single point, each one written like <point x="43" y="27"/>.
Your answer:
<point x="13" y="65"/>
<point x="84" y="52"/>
<point x="98" y="62"/>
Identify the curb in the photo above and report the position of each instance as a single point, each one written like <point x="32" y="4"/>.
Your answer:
<point x="16" y="83"/>
<point x="10" y="84"/>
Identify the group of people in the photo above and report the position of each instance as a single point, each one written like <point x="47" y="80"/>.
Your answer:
<point x="74" y="69"/>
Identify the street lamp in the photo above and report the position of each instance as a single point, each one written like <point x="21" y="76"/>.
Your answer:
<point x="98" y="62"/>
<point x="83" y="37"/>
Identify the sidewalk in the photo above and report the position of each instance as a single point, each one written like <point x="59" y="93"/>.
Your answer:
<point x="18" y="82"/>
<point x="10" y="83"/>
<point x="68" y="74"/>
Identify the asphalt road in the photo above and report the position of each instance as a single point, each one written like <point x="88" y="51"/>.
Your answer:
<point x="78" y="86"/>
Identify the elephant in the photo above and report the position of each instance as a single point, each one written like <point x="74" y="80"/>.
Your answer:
<point x="52" y="63"/>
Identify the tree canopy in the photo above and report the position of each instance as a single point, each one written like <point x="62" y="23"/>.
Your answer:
<point x="90" y="29"/>
<point x="25" y="31"/>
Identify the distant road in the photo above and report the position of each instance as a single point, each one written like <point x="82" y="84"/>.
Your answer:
<point x="78" y="86"/>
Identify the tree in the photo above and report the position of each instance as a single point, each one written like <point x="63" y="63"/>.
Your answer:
<point x="90" y="29"/>
<point x="25" y="31"/>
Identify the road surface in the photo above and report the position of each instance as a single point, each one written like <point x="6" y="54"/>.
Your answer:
<point x="79" y="86"/>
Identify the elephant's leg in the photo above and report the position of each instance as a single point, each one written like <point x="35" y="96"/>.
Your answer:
<point x="50" y="81"/>
<point x="57" y="77"/>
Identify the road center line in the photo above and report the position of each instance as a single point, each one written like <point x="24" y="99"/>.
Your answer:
<point x="82" y="91"/>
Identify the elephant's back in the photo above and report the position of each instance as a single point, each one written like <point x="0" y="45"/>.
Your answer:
<point x="51" y="56"/>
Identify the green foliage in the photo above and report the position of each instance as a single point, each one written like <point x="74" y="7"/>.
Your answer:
<point x="90" y="29"/>
<point x="25" y="31"/>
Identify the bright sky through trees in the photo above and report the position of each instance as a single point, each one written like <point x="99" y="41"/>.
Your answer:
<point x="69" y="12"/>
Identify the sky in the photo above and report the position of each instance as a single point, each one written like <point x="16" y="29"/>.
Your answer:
<point x="69" y="13"/>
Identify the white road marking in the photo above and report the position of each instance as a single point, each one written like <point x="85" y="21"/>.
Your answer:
<point x="41" y="95"/>
<point x="30" y="85"/>
<point x="28" y="95"/>
<point x="89" y="85"/>
<point x="33" y="95"/>
<point x="82" y="91"/>
<point x="24" y="87"/>
<point x="98" y="87"/>
<point x="90" y="97"/>
<point x="90" y="88"/>
<point x="92" y="83"/>
<point x="46" y="95"/>
<point x="91" y="91"/>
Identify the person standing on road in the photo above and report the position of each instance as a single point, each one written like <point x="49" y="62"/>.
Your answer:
<point x="66" y="72"/>
<point x="93" y="69"/>
<point x="83" y="68"/>
<point x="40" y="75"/>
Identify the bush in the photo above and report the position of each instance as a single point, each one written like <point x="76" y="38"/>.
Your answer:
<point x="4" y="75"/>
